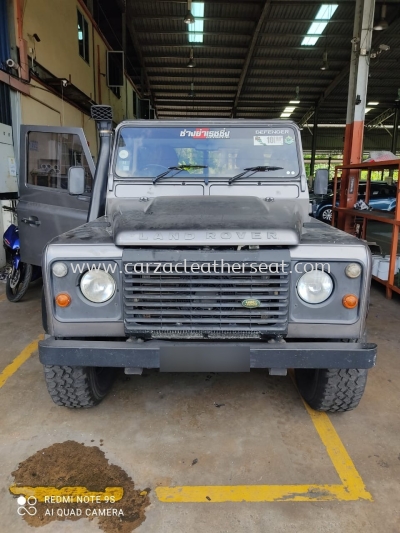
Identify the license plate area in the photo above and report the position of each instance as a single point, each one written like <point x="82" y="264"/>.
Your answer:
<point x="219" y="358"/>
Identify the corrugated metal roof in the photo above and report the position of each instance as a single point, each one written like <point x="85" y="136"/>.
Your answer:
<point x="278" y="66"/>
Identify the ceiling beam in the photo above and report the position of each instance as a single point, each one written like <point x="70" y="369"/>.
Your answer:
<point x="265" y="69"/>
<point x="381" y="118"/>
<point x="234" y="34"/>
<point x="201" y="55"/>
<point x="188" y="45"/>
<point x="265" y="11"/>
<point x="136" y="44"/>
<point x="241" y="19"/>
<point x="153" y="70"/>
<point x="299" y="3"/>
<point x="185" y="32"/>
<point x="259" y="82"/>
<point x="346" y="69"/>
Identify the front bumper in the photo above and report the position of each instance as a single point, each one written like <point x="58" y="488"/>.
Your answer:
<point x="206" y="356"/>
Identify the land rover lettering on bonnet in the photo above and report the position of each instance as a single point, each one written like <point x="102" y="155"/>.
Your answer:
<point x="133" y="287"/>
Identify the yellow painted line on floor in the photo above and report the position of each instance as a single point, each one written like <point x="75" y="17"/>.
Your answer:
<point x="74" y="494"/>
<point x="337" y="452"/>
<point x="253" y="493"/>
<point x="3" y="297"/>
<point x="19" y="360"/>
<point x="351" y="489"/>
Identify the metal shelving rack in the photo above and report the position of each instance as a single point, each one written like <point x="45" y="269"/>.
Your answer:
<point x="350" y="214"/>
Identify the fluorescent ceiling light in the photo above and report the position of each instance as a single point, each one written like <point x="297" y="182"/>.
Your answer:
<point x="373" y="103"/>
<point x="367" y="109"/>
<point x="289" y="109"/>
<point x="326" y="11"/>
<point x="317" y="27"/>
<point x="198" y="9"/>
<point x="285" y="115"/>
<point x="196" y="29"/>
<point x="294" y="101"/>
<point x="309" y="41"/>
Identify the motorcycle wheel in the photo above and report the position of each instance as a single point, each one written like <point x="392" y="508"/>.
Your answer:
<point x="17" y="283"/>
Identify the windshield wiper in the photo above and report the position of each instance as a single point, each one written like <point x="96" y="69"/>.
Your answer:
<point x="178" y="169"/>
<point x="253" y="170"/>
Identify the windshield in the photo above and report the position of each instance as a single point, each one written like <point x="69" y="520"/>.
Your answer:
<point x="206" y="152"/>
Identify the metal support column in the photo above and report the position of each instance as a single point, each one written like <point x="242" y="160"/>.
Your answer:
<point x="395" y="130"/>
<point x="123" y="36"/>
<point x="357" y="96"/>
<point x="355" y="48"/>
<point x="314" y="142"/>
<point x="351" y="97"/>
<point x="362" y="82"/>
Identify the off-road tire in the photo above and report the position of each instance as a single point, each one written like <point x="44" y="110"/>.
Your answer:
<point x="332" y="390"/>
<point x="79" y="386"/>
<point x="23" y="284"/>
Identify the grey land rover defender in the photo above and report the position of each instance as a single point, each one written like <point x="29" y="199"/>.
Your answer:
<point x="198" y="255"/>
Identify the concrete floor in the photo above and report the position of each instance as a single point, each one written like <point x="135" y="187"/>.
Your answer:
<point x="155" y="426"/>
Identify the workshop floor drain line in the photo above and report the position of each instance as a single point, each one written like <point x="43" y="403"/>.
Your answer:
<point x="70" y="481"/>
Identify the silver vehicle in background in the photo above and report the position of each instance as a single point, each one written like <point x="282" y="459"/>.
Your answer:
<point x="198" y="254"/>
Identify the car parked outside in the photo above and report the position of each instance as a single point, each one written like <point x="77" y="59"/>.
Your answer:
<point x="382" y="198"/>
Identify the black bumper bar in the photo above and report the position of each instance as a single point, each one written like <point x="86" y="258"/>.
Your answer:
<point x="206" y="356"/>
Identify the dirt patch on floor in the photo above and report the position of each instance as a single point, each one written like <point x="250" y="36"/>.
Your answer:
<point x="70" y="464"/>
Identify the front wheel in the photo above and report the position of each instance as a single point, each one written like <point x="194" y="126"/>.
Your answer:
<point x="18" y="282"/>
<point x="78" y="386"/>
<point x="333" y="390"/>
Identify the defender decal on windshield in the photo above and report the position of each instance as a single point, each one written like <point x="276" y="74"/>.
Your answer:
<point x="272" y="132"/>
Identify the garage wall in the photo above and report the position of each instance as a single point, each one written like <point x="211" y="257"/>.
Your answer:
<point x="58" y="52"/>
<point x="54" y="112"/>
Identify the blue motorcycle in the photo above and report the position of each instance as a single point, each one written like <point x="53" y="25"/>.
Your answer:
<point x="19" y="274"/>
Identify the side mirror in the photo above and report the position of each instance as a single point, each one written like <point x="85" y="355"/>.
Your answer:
<point x="76" y="180"/>
<point x="321" y="181"/>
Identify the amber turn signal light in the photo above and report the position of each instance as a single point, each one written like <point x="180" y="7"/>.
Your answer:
<point x="63" y="299"/>
<point x="350" y="301"/>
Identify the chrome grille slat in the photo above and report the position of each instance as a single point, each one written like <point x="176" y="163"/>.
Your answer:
<point x="152" y="320"/>
<point x="138" y="309"/>
<point x="140" y="313"/>
<point x="172" y="305"/>
<point x="174" y="297"/>
<point x="204" y="289"/>
<point x="182" y="281"/>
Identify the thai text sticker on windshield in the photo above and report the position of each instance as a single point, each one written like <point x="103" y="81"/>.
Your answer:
<point x="268" y="140"/>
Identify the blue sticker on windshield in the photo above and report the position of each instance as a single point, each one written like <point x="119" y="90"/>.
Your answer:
<point x="289" y="139"/>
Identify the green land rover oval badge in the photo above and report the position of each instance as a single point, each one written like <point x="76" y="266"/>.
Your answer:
<point x="251" y="303"/>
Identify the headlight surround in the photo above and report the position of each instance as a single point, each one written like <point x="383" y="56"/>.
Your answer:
<point x="353" y="270"/>
<point x="315" y="287"/>
<point x="97" y="286"/>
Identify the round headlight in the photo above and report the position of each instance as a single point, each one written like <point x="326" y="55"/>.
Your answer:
<point x="97" y="286"/>
<point x="353" y="270"/>
<point x="59" y="269"/>
<point x="315" y="287"/>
